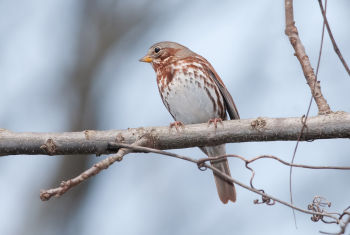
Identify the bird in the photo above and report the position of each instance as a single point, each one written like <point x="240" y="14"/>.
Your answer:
<point x="193" y="92"/>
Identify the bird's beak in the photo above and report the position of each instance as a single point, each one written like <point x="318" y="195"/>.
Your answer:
<point x="146" y="59"/>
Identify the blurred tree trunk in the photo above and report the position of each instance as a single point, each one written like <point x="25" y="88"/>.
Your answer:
<point x="100" y="27"/>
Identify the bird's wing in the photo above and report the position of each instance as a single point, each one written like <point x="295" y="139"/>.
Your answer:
<point x="230" y="105"/>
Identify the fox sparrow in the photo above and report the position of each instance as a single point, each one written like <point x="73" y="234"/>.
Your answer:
<point x="193" y="92"/>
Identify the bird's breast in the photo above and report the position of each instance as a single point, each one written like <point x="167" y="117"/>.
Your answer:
<point x="189" y="94"/>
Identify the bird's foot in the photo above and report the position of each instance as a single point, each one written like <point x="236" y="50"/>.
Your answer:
<point x="177" y="125"/>
<point x="215" y="121"/>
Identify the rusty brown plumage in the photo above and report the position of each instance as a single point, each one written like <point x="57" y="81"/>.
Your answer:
<point x="193" y="92"/>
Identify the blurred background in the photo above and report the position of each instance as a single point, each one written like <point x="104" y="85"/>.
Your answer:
<point x="73" y="65"/>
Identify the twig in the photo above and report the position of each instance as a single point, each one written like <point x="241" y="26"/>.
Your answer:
<point x="292" y="33"/>
<point x="305" y="117"/>
<point x="343" y="227"/>
<point x="274" y="158"/>
<point x="247" y="162"/>
<point x="202" y="165"/>
<point x="335" y="47"/>
<point x="343" y="224"/>
<point x="94" y="170"/>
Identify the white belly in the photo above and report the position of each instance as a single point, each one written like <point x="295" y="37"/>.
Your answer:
<point x="188" y="101"/>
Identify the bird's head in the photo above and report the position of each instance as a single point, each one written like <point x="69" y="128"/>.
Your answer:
<point x="163" y="53"/>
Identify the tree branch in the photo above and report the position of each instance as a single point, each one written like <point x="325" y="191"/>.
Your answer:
<point x="335" y="47"/>
<point x="335" y="125"/>
<point x="266" y="198"/>
<point x="94" y="170"/>
<point x="292" y="33"/>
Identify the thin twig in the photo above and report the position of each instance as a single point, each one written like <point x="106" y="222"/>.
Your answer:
<point x="277" y="159"/>
<point x="203" y="166"/>
<point x="247" y="162"/>
<point x="343" y="227"/>
<point x="305" y="117"/>
<point x="143" y="149"/>
<point x="94" y="170"/>
<point x="335" y="47"/>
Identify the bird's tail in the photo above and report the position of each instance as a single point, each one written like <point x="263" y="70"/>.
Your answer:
<point x="226" y="190"/>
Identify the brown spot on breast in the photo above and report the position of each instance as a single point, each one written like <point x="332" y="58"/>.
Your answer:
<point x="184" y="70"/>
<point x="168" y="74"/>
<point x="195" y="70"/>
<point x="207" y="81"/>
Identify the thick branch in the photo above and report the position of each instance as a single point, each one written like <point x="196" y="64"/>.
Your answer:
<point x="292" y="33"/>
<point x="335" y="125"/>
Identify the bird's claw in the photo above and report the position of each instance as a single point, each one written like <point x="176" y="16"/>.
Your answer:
<point x="215" y="121"/>
<point x="177" y="124"/>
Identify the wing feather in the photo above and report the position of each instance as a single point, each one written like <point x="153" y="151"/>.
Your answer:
<point x="230" y="105"/>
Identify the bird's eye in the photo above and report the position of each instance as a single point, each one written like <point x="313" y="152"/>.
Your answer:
<point x="156" y="50"/>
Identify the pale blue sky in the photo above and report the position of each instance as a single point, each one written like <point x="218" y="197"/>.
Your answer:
<point x="246" y="44"/>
